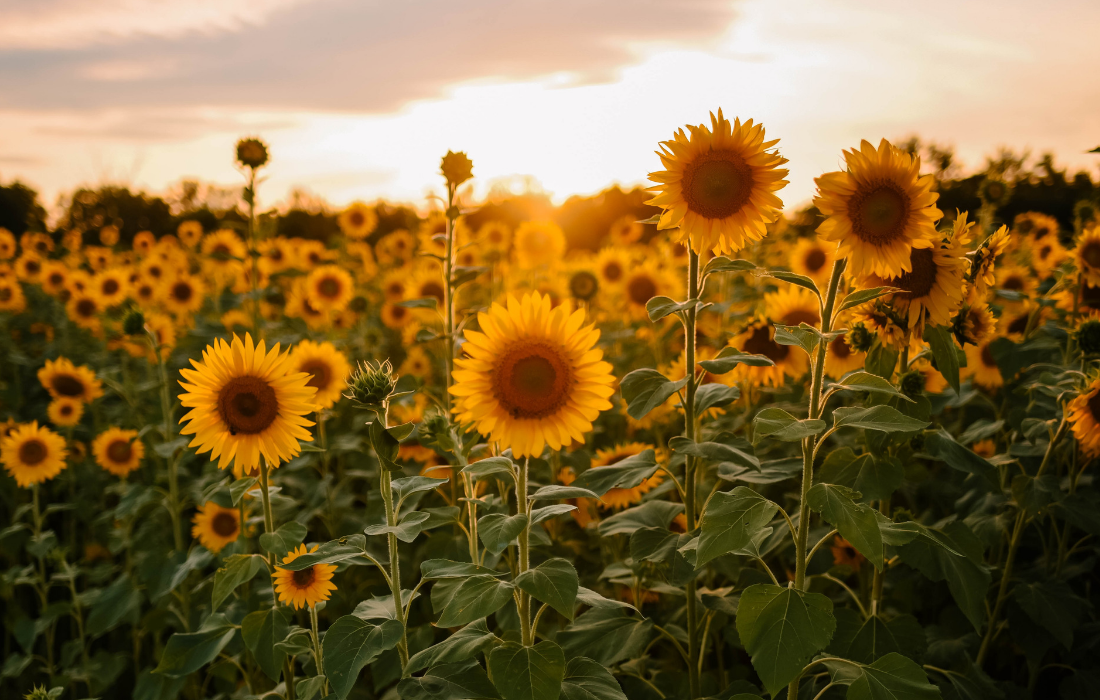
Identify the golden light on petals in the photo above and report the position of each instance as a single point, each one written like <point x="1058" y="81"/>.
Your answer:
<point x="329" y="288"/>
<point x="328" y="369"/>
<point x="1083" y="414"/>
<point x="305" y="587"/>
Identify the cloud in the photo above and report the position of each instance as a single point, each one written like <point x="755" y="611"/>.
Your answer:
<point x="352" y="55"/>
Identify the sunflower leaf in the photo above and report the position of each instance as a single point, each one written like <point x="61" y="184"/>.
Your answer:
<point x="865" y="295"/>
<point x="625" y="474"/>
<point x="238" y="569"/>
<point x="330" y="553"/>
<point x="795" y="279"/>
<point x="871" y="383"/>
<point x="943" y="351"/>
<point x="726" y="360"/>
<point x="724" y="264"/>
<point x="777" y="423"/>
<point x="659" y="307"/>
<point x="646" y="389"/>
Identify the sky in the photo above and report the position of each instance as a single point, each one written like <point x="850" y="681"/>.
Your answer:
<point x="359" y="99"/>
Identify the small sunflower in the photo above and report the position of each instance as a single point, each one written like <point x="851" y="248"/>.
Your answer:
<point x="29" y="267"/>
<point x="215" y="526"/>
<point x="416" y="363"/>
<point x="55" y="277"/>
<point x="395" y="249"/>
<point x="878" y="210"/>
<point x="844" y="554"/>
<point x="32" y="454"/>
<point x="328" y="369"/>
<point x="612" y="265"/>
<point x="841" y="358"/>
<point x="645" y="281"/>
<point x="532" y="376"/>
<point x="395" y="316"/>
<point x="1035" y="225"/>
<point x="1016" y="278"/>
<point x="329" y="288"/>
<point x="7" y="244"/>
<point x="1087" y="254"/>
<point x="12" y="299"/>
<point x="977" y="324"/>
<point x="427" y="283"/>
<point x="143" y="243"/>
<point x="276" y="254"/>
<point x="495" y="237"/>
<point x="626" y="230"/>
<point x="718" y="187"/>
<point x="224" y="245"/>
<point x="298" y="305"/>
<point x="65" y="412"/>
<point x="246" y="402"/>
<point x="307" y="586"/>
<point x="190" y="232"/>
<point x="617" y="499"/>
<point x="108" y="235"/>
<point x="583" y="283"/>
<point x="357" y="221"/>
<point x="1084" y="417"/>
<point x="538" y="243"/>
<point x="112" y="286"/>
<point x="64" y="380"/>
<point x="982" y="274"/>
<point x="981" y="367"/>
<point x="118" y="451"/>
<point x="759" y="339"/>
<point x="182" y="294"/>
<point x="813" y="258"/>
<point x="791" y="306"/>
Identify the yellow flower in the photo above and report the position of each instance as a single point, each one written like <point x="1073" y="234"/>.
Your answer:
<point x="215" y="526"/>
<point x="538" y="243"/>
<point x="416" y="363"/>
<point x="494" y="237"/>
<point x="328" y="369"/>
<point x="298" y="305"/>
<point x="276" y="255"/>
<point x="307" y="586"/>
<point x="981" y="367"/>
<point x="813" y="258"/>
<point x="1084" y="417"/>
<point x="64" y="380"/>
<point x="108" y="235"/>
<point x="190" y="232"/>
<point x="1016" y="278"/>
<point x="1087" y="254"/>
<point x="626" y="230"/>
<point x="934" y="383"/>
<point x="611" y="266"/>
<point x="1036" y="225"/>
<point x="645" y="281"/>
<point x="329" y="288"/>
<point x="357" y="221"/>
<point x="7" y="244"/>
<point x="118" y="451"/>
<point x="111" y="286"/>
<point x="718" y="187"/>
<point x="182" y="294"/>
<point x="982" y="266"/>
<point x="12" y="299"/>
<point x="65" y="412"/>
<point x="878" y="210"/>
<point x="224" y="245"/>
<point x="395" y="249"/>
<point x="1047" y="254"/>
<point x="791" y="306"/>
<point x="245" y="403"/>
<point x="395" y="316"/>
<point x="532" y="376"/>
<point x="33" y="455"/>
<point x="55" y="277"/>
<point x="978" y="324"/>
<point x="29" y="267"/>
<point x="235" y="318"/>
<point x="143" y="242"/>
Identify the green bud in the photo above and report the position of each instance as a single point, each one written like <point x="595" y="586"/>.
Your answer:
<point x="435" y="431"/>
<point x="912" y="384"/>
<point x="457" y="168"/>
<point x="40" y="693"/>
<point x="371" y="385"/>
<point x="860" y="339"/>
<point x="252" y="153"/>
<point x="134" y="323"/>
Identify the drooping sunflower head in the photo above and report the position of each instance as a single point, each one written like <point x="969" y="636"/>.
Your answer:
<point x="329" y="288"/>
<point x="1084" y="417"/>
<point x="357" y="221"/>
<point x="878" y="210"/>
<point x="33" y="454"/>
<point x="62" y="379"/>
<point x="65" y="412"/>
<point x="719" y="183"/>
<point x="539" y="243"/>
<point x="303" y="587"/>
<point x="246" y="402"/>
<point x="118" y="451"/>
<point x="216" y="526"/>
<point x="532" y="376"/>
<point x="976" y="324"/>
<point x="327" y="368"/>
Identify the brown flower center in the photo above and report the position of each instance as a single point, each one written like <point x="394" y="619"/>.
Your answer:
<point x="1090" y="296"/>
<point x="1090" y="253"/>
<point x="797" y="316"/>
<point x="320" y="371"/>
<point x="120" y="451"/>
<point x="1094" y="406"/>
<point x="182" y="292"/>
<point x="583" y="285"/>
<point x="6" y="294"/>
<point x="330" y="287"/>
<point x="1019" y="324"/>
<point x="433" y="290"/>
<point x="248" y="405"/>
<point x="67" y="385"/>
<point x="717" y="184"/>
<point x="839" y="347"/>
<point x="224" y="524"/>
<point x="641" y="289"/>
<point x="987" y="356"/>
<point x="85" y="308"/>
<point x="879" y="216"/>
<point x="304" y="577"/>
<point x="110" y="287"/>
<point x="56" y="279"/>
<point x="613" y="271"/>
<point x="33" y="452"/>
<point x="32" y="267"/>
<point x="220" y="249"/>
<point x="815" y="259"/>
<point x="919" y="281"/>
<point x="532" y="380"/>
<point x="761" y="343"/>
<point x="356" y="219"/>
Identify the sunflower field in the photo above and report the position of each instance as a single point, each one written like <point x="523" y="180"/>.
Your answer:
<point x="673" y="443"/>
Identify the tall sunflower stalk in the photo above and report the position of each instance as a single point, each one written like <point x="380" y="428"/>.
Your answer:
<point x="252" y="154"/>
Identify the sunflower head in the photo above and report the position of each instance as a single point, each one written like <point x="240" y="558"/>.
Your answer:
<point x="718" y="186"/>
<point x="306" y="586"/>
<point x="216" y="526"/>
<point x="1088" y="337"/>
<point x="457" y="168"/>
<point x="538" y="243"/>
<point x="327" y="367"/>
<point x="357" y="221"/>
<point x="329" y="288"/>
<point x="372" y="384"/>
<point x="1083" y="414"/>
<point x="33" y="454"/>
<point x="62" y="379"/>
<point x="65" y="412"/>
<point x="252" y="152"/>
<point x="118" y="451"/>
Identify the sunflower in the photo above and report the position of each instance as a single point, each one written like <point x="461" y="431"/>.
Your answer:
<point x="395" y="249"/>
<point x="934" y="383"/>
<point x="645" y="281"/>
<point x="357" y="221"/>
<point x="215" y="526"/>
<point x="55" y="277"/>
<point x="395" y="285"/>
<point x="108" y="235"/>
<point x="298" y="305"/>
<point x="432" y="234"/>
<point x="276" y="254"/>
<point x="611" y="266"/>
<point x="223" y="246"/>
<point x="495" y="237"/>
<point x="246" y="402"/>
<point x="532" y="376"/>
<point x="190" y="232"/>
<point x="759" y="339"/>
<point x="981" y="366"/>
<point x="878" y="210"/>
<point x="538" y="243"/>
<point x="40" y="243"/>
<point x="143" y="242"/>
<point x="118" y="451"/>
<point x="617" y="499"/>
<point x="144" y="291"/>
<point x="583" y="282"/>
<point x="427" y="283"/>
<point x="791" y="306"/>
<point x="718" y="187"/>
<point x="1047" y="254"/>
<point x="182" y="294"/>
<point x="841" y="358"/>
<point x="844" y="554"/>
<point x="396" y="316"/>
<point x="307" y="586"/>
<point x="1017" y="319"/>
<point x="65" y="412"/>
<point x="813" y="258"/>
<point x="236" y="318"/>
<point x="32" y="454"/>
<point x="29" y="267"/>
<point x="12" y="299"/>
<point x="329" y="288"/>
<point x="84" y="310"/>
<point x="977" y="324"/>
<point x="7" y="244"/>
<point x="328" y="369"/>
<point x="111" y="286"/>
<point x="1087" y="254"/>
<point x="62" y="379"/>
<point x="984" y="448"/>
<point x="416" y="363"/>
<point x="1036" y="225"/>
<point x="1084" y="417"/>
<point x="982" y="273"/>
<point x="626" y="230"/>
<point x="1017" y="278"/>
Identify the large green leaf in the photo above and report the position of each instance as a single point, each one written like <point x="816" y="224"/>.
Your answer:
<point x="778" y="424"/>
<point x="553" y="582"/>
<point x="874" y="476"/>
<point x="731" y="521"/>
<point x="407" y="486"/>
<point x="498" y="530"/>
<point x="464" y="644"/>
<point x="444" y="568"/>
<point x="407" y="528"/>
<point x="112" y="605"/>
<point x="188" y="652"/>
<point x="943" y="350"/>
<point x="893" y="677"/>
<point x="868" y="640"/>
<point x="496" y="467"/>
<point x="655" y="544"/>
<point x="459" y="681"/>
<point x="883" y="418"/>
<point x="941" y="445"/>
<point x="607" y="635"/>
<point x="714" y="395"/>
<point x="350" y="644"/>
<point x="938" y="558"/>
<point x="587" y="680"/>
<point x="646" y="389"/>
<point x="871" y="383"/>
<point x="625" y="474"/>
<point x="330" y="553"/>
<point x="725" y="448"/>
<point x="1053" y="606"/>
<point x="656" y="513"/>
<point x="261" y="631"/>
<point x="461" y="601"/>
<point x="855" y="522"/>
<point x="782" y="629"/>
<point x="286" y="538"/>
<point x="528" y="673"/>
<point x="238" y="569"/>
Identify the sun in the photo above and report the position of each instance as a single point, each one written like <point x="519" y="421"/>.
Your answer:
<point x="305" y="587"/>
<point x="246" y="402"/>
<point x="532" y="376"/>
<point x="718" y="186"/>
<point x="33" y="454"/>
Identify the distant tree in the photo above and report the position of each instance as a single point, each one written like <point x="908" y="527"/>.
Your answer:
<point x="20" y="210"/>
<point x="112" y="205"/>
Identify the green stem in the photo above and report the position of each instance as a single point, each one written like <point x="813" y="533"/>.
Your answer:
<point x="317" y="658"/>
<point x="449" y="301"/>
<point x="255" y="277"/>
<point x="386" y="486"/>
<point x="690" y="473"/>
<point x="265" y="497"/>
<point x="43" y="582"/>
<point x="524" y="600"/>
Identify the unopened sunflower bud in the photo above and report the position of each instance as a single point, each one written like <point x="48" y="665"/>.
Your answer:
<point x="457" y="168"/>
<point x="912" y="384"/>
<point x="134" y="323"/>
<point x="860" y="339"/>
<point x="371" y="385"/>
<point x="435" y="431"/>
<point x="40" y="693"/>
<point x="252" y="153"/>
<point x="1088" y="337"/>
